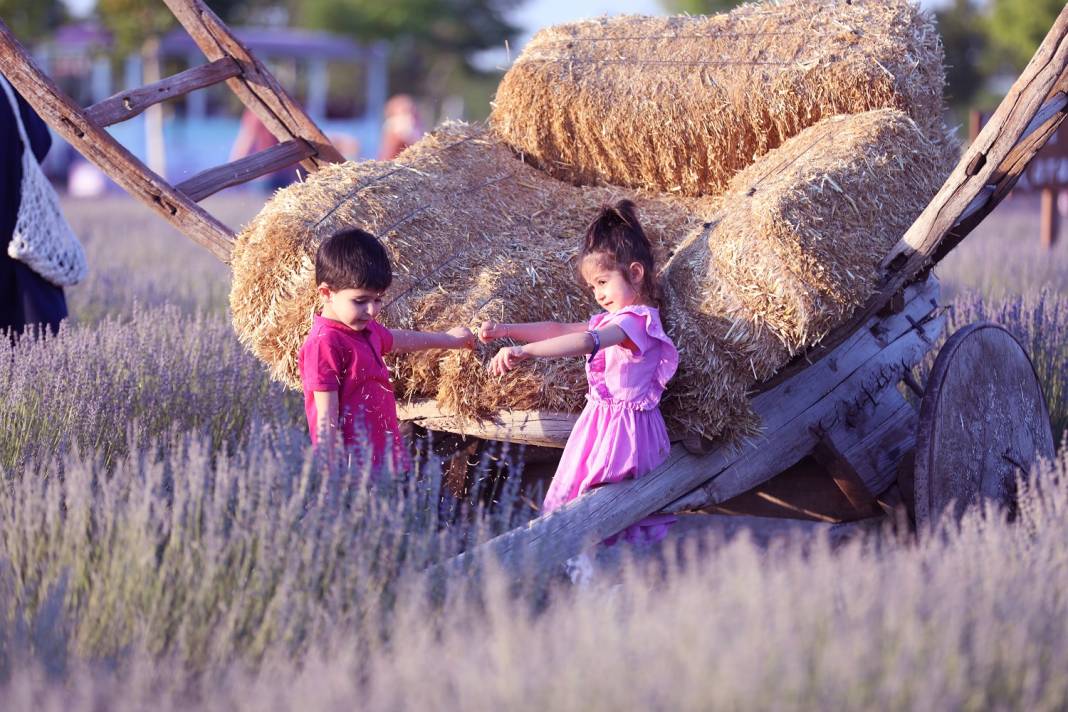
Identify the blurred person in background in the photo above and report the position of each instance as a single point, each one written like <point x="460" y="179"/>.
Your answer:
<point x="253" y="136"/>
<point x="25" y="296"/>
<point x="401" y="128"/>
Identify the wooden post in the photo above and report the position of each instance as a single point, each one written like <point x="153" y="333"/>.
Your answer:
<point x="1050" y="218"/>
<point x="155" y="145"/>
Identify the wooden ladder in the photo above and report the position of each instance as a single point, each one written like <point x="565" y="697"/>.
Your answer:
<point x="300" y="140"/>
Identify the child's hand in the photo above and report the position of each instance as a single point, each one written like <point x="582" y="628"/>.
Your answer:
<point x="506" y="359"/>
<point x="491" y="330"/>
<point x="465" y="338"/>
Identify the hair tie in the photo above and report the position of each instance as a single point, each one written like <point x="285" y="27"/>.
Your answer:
<point x="596" y="343"/>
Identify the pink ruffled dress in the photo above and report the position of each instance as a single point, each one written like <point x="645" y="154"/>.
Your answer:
<point x="620" y="433"/>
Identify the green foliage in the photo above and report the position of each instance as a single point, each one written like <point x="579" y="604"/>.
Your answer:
<point x="1016" y="28"/>
<point x="29" y="20"/>
<point x="461" y="25"/>
<point x="964" y="38"/>
<point x="983" y="38"/>
<point x="134" y="21"/>
<point x="699" y="7"/>
<point x="432" y="39"/>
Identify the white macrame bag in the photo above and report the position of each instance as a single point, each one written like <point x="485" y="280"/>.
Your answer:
<point x="43" y="239"/>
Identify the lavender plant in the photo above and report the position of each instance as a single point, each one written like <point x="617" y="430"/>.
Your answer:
<point x="972" y="617"/>
<point x="1039" y="320"/>
<point x="138" y="260"/>
<point x="208" y="559"/>
<point x="1003" y="257"/>
<point x="154" y="371"/>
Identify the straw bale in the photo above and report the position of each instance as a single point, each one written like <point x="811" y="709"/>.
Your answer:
<point x="681" y="104"/>
<point x="795" y="248"/>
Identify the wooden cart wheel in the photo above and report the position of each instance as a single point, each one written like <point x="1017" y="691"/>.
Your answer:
<point x="982" y="418"/>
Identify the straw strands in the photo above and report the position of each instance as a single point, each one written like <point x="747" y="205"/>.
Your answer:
<point x="681" y="104"/>
<point x="794" y="250"/>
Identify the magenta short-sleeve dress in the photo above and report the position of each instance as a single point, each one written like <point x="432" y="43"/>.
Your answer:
<point x="620" y="433"/>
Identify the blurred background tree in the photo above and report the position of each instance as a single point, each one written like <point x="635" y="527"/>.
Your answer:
<point x="1016" y="28"/>
<point x="433" y="41"/>
<point x="964" y="37"/>
<point x="699" y="7"/>
<point x="134" y="21"/>
<point x="32" y="19"/>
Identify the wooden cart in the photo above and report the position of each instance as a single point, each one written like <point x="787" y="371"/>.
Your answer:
<point x="839" y="439"/>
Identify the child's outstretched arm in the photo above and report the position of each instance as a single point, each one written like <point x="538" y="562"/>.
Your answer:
<point x="327" y="407"/>
<point x="527" y="332"/>
<point x="573" y="344"/>
<point x="459" y="337"/>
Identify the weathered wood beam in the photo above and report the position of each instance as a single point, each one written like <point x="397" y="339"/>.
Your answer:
<point x="879" y="453"/>
<point x="802" y="491"/>
<point x="256" y="86"/>
<point x="69" y="121"/>
<point x="844" y="472"/>
<point x="128" y="104"/>
<point x="844" y="446"/>
<point x="245" y="169"/>
<point x="865" y="364"/>
<point x="529" y="427"/>
<point x="787" y="444"/>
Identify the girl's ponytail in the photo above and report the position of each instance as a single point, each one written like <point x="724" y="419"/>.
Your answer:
<point x="617" y="234"/>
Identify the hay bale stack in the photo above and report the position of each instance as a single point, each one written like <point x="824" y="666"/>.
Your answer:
<point x="796" y="247"/>
<point x="681" y="104"/>
<point x="473" y="232"/>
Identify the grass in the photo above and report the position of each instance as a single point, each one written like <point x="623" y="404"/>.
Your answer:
<point x="167" y="540"/>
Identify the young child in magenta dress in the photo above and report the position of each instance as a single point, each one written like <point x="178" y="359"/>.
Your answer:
<point x="620" y="433"/>
<point x="347" y="388"/>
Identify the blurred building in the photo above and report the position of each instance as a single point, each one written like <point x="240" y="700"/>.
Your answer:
<point x="341" y="83"/>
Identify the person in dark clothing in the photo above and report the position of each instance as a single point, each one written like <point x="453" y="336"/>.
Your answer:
<point x="25" y="296"/>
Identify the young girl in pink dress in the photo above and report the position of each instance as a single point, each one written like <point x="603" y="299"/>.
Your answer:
<point x="620" y="433"/>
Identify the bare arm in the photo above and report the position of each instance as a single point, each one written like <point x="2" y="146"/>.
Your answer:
<point x="456" y="338"/>
<point x="573" y="344"/>
<point x="528" y="332"/>
<point x="327" y="410"/>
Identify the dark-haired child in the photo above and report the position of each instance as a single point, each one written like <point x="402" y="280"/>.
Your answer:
<point x="346" y="383"/>
<point x="620" y="433"/>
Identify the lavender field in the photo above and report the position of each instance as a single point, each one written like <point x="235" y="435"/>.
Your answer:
<point x="167" y="540"/>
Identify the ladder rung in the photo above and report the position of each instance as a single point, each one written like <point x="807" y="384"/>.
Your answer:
<point x="128" y="104"/>
<point x="243" y="170"/>
<point x="256" y="87"/>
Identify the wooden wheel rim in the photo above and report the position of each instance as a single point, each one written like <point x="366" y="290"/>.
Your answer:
<point x="983" y="416"/>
